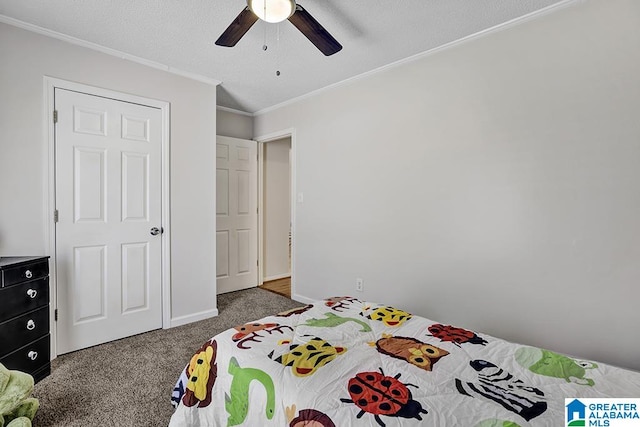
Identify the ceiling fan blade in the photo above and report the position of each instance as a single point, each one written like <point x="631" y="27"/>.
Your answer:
<point x="237" y="28"/>
<point x="315" y="32"/>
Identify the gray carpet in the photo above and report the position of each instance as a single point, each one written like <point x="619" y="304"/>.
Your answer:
<point x="128" y="382"/>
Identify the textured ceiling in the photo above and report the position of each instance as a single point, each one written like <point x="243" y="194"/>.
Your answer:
<point x="181" y="35"/>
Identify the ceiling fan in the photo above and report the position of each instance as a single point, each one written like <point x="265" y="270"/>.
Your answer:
<point x="277" y="11"/>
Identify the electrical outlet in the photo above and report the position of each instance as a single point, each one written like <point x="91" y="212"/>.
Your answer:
<point x="359" y="285"/>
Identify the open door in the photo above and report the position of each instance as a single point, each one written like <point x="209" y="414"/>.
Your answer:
<point x="236" y="214"/>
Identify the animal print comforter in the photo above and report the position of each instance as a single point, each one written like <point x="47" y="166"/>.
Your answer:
<point x="345" y="362"/>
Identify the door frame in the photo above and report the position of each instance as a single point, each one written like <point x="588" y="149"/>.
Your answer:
<point x="50" y="84"/>
<point x="261" y="140"/>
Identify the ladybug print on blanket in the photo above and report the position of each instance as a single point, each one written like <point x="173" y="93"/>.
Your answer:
<point x="455" y="335"/>
<point x="379" y="394"/>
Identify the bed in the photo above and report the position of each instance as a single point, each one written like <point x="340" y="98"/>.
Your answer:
<point x="346" y="362"/>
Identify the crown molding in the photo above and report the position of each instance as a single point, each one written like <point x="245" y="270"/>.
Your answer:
<point x="107" y="50"/>
<point x="234" y="111"/>
<point x="503" y="26"/>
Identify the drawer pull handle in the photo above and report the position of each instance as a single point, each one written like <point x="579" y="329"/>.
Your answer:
<point x="31" y="325"/>
<point x="32" y="293"/>
<point x="33" y="355"/>
<point x="28" y="274"/>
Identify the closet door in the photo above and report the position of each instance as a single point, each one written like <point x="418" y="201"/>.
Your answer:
<point x="108" y="235"/>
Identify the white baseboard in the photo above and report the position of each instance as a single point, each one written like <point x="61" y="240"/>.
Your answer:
<point x="190" y="318"/>
<point x="302" y="299"/>
<point x="276" y="277"/>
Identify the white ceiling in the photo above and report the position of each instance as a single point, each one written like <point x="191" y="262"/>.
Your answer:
<point x="181" y="34"/>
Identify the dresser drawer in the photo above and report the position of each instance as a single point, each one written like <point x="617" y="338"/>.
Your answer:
<point x="23" y="329"/>
<point x="18" y="299"/>
<point x="29" y="358"/>
<point x="24" y="272"/>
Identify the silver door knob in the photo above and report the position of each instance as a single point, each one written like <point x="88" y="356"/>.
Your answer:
<point x="155" y="231"/>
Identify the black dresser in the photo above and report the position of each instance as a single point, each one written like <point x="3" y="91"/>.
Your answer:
<point x="24" y="315"/>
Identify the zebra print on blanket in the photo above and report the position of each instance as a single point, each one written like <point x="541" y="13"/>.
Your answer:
<point x="499" y="386"/>
<point x="178" y="389"/>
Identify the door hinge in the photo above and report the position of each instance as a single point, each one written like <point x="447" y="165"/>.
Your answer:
<point x="55" y="215"/>
<point x="55" y="116"/>
<point x="55" y="315"/>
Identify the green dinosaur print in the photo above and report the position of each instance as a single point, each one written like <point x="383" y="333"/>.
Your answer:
<point x="550" y="364"/>
<point x="237" y="405"/>
<point x="497" y="423"/>
<point x="331" y="321"/>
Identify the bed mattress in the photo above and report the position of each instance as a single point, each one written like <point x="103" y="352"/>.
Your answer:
<point x="346" y="362"/>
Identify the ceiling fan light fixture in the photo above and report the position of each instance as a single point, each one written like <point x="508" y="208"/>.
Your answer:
<point x="272" y="10"/>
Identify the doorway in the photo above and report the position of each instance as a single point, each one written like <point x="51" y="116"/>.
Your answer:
<point x="275" y="218"/>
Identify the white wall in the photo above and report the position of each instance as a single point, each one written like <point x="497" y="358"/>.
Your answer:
<point x="235" y="125"/>
<point x="25" y="58"/>
<point x="277" y="209"/>
<point x="492" y="185"/>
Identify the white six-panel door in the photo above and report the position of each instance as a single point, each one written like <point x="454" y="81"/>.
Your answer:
<point x="108" y="198"/>
<point x="236" y="214"/>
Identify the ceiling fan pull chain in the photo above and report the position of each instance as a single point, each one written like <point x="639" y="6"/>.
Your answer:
<point x="264" y="44"/>
<point x="278" y="49"/>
